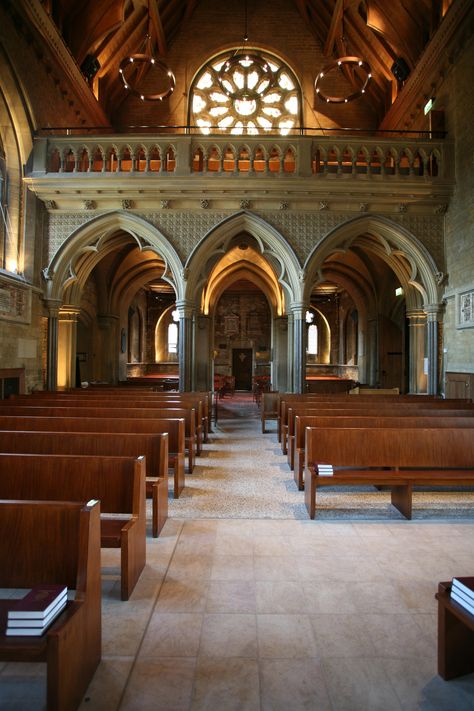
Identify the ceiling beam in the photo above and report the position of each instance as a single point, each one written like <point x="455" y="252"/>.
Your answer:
<point x="157" y="25"/>
<point x="334" y="28"/>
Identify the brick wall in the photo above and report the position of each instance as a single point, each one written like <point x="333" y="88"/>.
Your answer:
<point x="216" y="26"/>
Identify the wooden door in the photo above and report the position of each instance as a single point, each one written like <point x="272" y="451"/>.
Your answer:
<point x="242" y="368"/>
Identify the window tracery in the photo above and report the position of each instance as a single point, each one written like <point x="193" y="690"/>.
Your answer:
<point x="245" y="99"/>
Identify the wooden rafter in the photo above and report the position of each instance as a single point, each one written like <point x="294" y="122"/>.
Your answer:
<point x="157" y="25"/>
<point x="335" y="28"/>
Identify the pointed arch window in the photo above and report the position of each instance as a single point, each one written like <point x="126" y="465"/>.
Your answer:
<point x="245" y="101"/>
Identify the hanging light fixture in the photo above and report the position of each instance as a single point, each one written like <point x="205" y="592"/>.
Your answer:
<point x="339" y="64"/>
<point x="245" y="75"/>
<point x="139" y="63"/>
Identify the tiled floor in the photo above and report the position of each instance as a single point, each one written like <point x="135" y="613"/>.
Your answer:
<point x="277" y="615"/>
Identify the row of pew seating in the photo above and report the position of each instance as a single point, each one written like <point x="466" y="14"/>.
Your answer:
<point x="389" y="441"/>
<point x="76" y="469"/>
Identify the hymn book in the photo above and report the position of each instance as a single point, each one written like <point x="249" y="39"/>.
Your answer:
<point x="38" y="603"/>
<point x="324" y="469"/>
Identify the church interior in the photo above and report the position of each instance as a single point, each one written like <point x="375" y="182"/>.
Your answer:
<point x="247" y="200"/>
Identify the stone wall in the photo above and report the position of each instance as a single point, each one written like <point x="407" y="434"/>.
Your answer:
<point x="22" y="331"/>
<point x="459" y="342"/>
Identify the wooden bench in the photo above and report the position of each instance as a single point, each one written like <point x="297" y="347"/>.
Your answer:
<point x="55" y="542"/>
<point x="365" y="421"/>
<point x="121" y="390"/>
<point x="154" y="447"/>
<point x="302" y="410"/>
<point x="395" y="458"/>
<point x="38" y="410"/>
<point x="198" y="403"/>
<point x="118" y="482"/>
<point x="455" y="636"/>
<point x="383" y="402"/>
<point x="174" y="427"/>
<point x="269" y="407"/>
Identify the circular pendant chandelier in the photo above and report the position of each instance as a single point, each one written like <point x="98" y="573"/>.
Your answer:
<point x="133" y="68"/>
<point x="352" y="67"/>
<point x="354" y="62"/>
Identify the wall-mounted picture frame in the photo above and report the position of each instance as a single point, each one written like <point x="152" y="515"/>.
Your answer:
<point x="465" y="308"/>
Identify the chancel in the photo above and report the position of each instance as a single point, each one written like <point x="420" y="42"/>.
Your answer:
<point x="236" y="240"/>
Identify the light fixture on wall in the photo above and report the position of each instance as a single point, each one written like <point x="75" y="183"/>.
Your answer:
<point x="346" y="63"/>
<point x="245" y="75"/>
<point x="141" y="62"/>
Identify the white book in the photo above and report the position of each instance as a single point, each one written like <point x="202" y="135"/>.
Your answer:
<point x="465" y="585"/>
<point x="38" y="603"/>
<point x="29" y="622"/>
<point x="325" y="469"/>
<point x="462" y="601"/>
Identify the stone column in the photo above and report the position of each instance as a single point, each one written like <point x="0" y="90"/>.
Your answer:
<point x="185" y="350"/>
<point x="203" y="353"/>
<point x="372" y="352"/>
<point x="52" y="354"/>
<point x="290" y="358"/>
<point x="280" y="354"/>
<point x="416" y="329"/>
<point x="298" y="309"/>
<point x="67" y="338"/>
<point x="109" y="347"/>
<point x="433" y="313"/>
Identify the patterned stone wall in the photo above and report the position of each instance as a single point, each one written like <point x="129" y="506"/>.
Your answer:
<point x="302" y="230"/>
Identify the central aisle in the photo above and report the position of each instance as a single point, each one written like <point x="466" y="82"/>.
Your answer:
<point x="241" y="473"/>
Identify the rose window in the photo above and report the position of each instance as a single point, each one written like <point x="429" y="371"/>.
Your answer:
<point x="245" y="93"/>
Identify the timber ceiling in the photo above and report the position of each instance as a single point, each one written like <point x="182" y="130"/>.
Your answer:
<point x="380" y="31"/>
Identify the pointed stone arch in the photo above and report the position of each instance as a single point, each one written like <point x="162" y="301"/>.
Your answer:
<point x="271" y="244"/>
<point x="390" y="241"/>
<point x="85" y="244"/>
<point x="417" y="272"/>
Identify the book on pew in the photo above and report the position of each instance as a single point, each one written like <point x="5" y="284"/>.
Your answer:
<point x="461" y="600"/>
<point x="324" y="469"/>
<point x="38" y="603"/>
<point x="465" y="585"/>
<point x="35" y="626"/>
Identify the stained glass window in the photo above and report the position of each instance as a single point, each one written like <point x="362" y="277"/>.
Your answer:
<point x="251" y="94"/>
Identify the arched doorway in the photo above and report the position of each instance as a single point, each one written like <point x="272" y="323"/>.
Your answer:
<point x="245" y="251"/>
<point x="384" y="304"/>
<point x="107" y="290"/>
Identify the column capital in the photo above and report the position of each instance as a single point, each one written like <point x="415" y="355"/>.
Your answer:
<point x="413" y="314"/>
<point x="67" y="312"/>
<point x="185" y="308"/>
<point x="434" y="312"/>
<point x="298" y="309"/>
<point x="53" y="306"/>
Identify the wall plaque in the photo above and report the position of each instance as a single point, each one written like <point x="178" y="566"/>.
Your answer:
<point x="15" y="304"/>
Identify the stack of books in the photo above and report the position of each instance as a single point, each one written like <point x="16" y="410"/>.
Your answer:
<point x="462" y="591"/>
<point x="34" y="613"/>
<point x="324" y="469"/>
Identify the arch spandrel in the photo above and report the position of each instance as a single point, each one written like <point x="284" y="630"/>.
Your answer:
<point x="393" y="239"/>
<point x="91" y="238"/>
<point x="271" y="244"/>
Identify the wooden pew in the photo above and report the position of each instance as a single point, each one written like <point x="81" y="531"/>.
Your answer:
<point x="303" y="410"/>
<point x="269" y="407"/>
<point x="398" y="458"/>
<point x="204" y="395"/>
<point x="38" y="410"/>
<point x="200" y="403"/>
<point x="55" y="542"/>
<point x="154" y="447"/>
<point x="365" y="421"/>
<point x="383" y="402"/>
<point x="174" y="427"/>
<point x="118" y="482"/>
